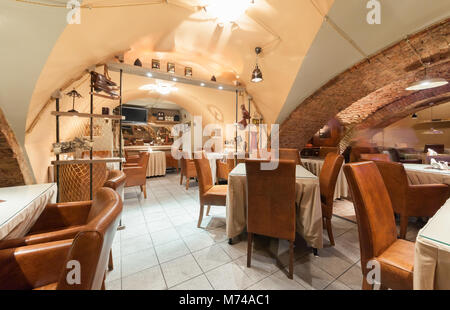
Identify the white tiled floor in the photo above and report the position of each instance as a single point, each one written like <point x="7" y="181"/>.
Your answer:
<point x="162" y="248"/>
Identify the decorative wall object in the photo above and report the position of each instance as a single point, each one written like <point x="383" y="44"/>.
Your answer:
<point x="188" y="71"/>
<point x="213" y="78"/>
<point x="161" y="116"/>
<point x="105" y="111"/>
<point x="170" y="67"/>
<point x="138" y="63"/>
<point x="156" y="64"/>
<point x="245" y="116"/>
<point x="74" y="94"/>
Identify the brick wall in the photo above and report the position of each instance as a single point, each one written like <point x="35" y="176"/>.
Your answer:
<point x="14" y="169"/>
<point x="373" y="91"/>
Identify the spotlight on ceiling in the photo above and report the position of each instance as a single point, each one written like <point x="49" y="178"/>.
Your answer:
<point x="257" y="74"/>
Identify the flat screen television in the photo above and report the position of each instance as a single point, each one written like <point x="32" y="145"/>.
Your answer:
<point x="134" y="115"/>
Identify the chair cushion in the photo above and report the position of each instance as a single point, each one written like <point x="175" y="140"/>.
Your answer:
<point x="397" y="265"/>
<point x="216" y="196"/>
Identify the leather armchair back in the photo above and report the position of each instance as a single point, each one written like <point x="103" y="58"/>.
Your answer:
<point x="116" y="180"/>
<point x="203" y="174"/>
<point x="396" y="181"/>
<point x="290" y="154"/>
<point x="271" y="199"/>
<point x="373" y="207"/>
<point x="91" y="246"/>
<point x="356" y="151"/>
<point x="328" y="178"/>
<point x="374" y="157"/>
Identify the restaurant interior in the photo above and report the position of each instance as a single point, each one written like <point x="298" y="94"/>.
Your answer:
<point x="225" y="145"/>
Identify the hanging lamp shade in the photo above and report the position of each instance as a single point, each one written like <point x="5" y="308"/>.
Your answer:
<point x="257" y="74"/>
<point x="427" y="84"/>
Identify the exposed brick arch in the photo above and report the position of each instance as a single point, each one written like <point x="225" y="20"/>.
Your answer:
<point x="370" y="85"/>
<point x="14" y="169"/>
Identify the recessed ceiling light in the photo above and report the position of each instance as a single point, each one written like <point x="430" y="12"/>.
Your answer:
<point x="149" y="74"/>
<point x="174" y="79"/>
<point x="202" y="84"/>
<point x="220" y="87"/>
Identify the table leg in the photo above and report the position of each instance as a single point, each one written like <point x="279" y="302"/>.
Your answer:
<point x="315" y="252"/>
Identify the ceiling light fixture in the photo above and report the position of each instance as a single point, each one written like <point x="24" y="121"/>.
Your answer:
<point x="161" y="88"/>
<point x="220" y="87"/>
<point x="202" y="84"/>
<point x="257" y="74"/>
<point x="427" y="82"/>
<point x="414" y="116"/>
<point x="149" y="74"/>
<point x="227" y="11"/>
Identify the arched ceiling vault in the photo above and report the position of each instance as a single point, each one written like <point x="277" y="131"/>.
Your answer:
<point x="372" y="93"/>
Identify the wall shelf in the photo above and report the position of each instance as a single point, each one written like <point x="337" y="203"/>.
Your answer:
<point x="87" y="115"/>
<point x="87" y="161"/>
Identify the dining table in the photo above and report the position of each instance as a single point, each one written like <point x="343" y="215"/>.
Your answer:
<point x="426" y="174"/>
<point x="432" y="253"/>
<point x="315" y="166"/>
<point x="308" y="205"/>
<point x="21" y="206"/>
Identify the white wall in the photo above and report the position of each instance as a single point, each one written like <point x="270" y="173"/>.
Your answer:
<point x="27" y="36"/>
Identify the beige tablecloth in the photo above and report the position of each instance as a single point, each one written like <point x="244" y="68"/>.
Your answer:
<point x="315" y="166"/>
<point x="432" y="255"/>
<point x="156" y="164"/>
<point x="424" y="174"/>
<point x="309" y="211"/>
<point x="21" y="206"/>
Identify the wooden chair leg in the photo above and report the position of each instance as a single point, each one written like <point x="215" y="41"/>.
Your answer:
<point x="144" y="190"/>
<point x="181" y="178"/>
<point x="249" y="249"/>
<point x="291" y="260"/>
<point x="200" y="216"/>
<point x="110" y="262"/>
<point x="330" y="231"/>
<point x="187" y="183"/>
<point x="403" y="226"/>
<point x="207" y="210"/>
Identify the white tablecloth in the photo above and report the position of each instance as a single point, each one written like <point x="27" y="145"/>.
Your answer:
<point x="156" y="164"/>
<point x="309" y="210"/>
<point x="425" y="174"/>
<point x="432" y="255"/>
<point x="315" y="166"/>
<point x="20" y="207"/>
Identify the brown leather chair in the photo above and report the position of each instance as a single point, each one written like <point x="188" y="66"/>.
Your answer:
<point x="375" y="157"/>
<point x="136" y="172"/>
<point x="356" y="151"/>
<point x="411" y="200"/>
<point x="210" y="195"/>
<point x="224" y="168"/>
<point x="328" y="178"/>
<point x="271" y="204"/>
<point x="187" y="169"/>
<point x="290" y="154"/>
<point x="37" y="264"/>
<point x="324" y="150"/>
<point x="116" y="180"/>
<point x="171" y="162"/>
<point x="377" y="230"/>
